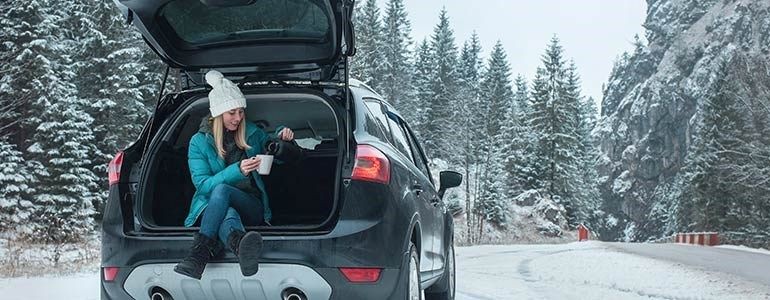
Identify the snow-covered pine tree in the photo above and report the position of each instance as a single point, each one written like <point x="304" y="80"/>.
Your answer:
<point x="496" y="92"/>
<point x="582" y="127"/>
<point x="15" y="189"/>
<point x="523" y="142"/>
<point x="554" y="118"/>
<point x="368" y="63"/>
<point x="471" y="112"/>
<point x="64" y="146"/>
<point x="728" y="166"/>
<point x="396" y="84"/>
<point x="588" y="200"/>
<point x="441" y="122"/>
<point x="28" y="55"/>
<point x="422" y="76"/>
<point x="111" y="76"/>
<point x="11" y="35"/>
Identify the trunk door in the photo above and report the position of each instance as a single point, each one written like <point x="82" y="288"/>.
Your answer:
<point x="289" y="39"/>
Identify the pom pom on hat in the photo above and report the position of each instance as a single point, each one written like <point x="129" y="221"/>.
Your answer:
<point x="214" y="78"/>
<point x="224" y="95"/>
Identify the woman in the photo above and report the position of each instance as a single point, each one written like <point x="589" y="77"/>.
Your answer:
<point x="228" y="191"/>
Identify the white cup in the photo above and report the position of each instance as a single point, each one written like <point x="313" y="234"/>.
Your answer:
<point x="265" y="164"/>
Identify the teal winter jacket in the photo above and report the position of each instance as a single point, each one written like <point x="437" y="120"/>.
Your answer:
<point x="208" y="170"/>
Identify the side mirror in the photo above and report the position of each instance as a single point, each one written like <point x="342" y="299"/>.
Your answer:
<point x="448" y="179"/>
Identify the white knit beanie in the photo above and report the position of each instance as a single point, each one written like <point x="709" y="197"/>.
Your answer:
<point x="224" y="95"/>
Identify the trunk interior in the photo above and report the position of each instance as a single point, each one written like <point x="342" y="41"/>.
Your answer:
<point x="302" y="194"/>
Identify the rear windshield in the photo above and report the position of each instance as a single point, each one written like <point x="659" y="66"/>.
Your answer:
<point x="196" y="23"/>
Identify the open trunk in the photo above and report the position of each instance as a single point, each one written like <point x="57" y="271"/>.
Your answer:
<point x="303" y="194"/>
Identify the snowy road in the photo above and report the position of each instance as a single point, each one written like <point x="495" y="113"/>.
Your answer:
<point x="752" y="266"/>
<point x="595" y="270"/>
<point x="589" y="270"/>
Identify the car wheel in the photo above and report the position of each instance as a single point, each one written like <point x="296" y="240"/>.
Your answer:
<point x="413" y="288"/>
<point x="445" y="285"/>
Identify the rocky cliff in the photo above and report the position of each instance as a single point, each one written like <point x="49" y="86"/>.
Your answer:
<point x="654" y="97"/>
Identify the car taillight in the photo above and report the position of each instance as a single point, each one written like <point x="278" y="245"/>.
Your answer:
<point x="113" y="169"/>
<point x="110" y="273"/>
<point x="371" y="165"/>
<point x="361" y="274"/>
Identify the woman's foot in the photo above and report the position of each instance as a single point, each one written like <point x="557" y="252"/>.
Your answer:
<point x="248" y="247"/>
<point x="202" y="251"/>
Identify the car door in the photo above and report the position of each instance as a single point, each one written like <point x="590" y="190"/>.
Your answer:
<point x="438" y="207"/>
<point x="422" y="187"/>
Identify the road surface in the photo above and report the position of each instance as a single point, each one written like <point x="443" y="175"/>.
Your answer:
<point x="588" y="270"/>
<point x="595" y="270"/>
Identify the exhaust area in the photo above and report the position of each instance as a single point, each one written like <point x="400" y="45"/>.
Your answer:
<point x="292" y="293"/>
<point x="159" y="293"/>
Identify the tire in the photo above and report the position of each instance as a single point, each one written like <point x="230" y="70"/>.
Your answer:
<point x="413" y="291"/>
<point x="444" y="289"/>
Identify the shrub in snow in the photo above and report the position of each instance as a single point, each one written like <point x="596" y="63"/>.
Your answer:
<point x="527" y="198"/>
<point x="551" y="211"/>
<point x="549" y="229"/>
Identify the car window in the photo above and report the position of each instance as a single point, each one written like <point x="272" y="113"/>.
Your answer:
<point x="374" y="128"/>
<point x="375" y="108"/>
<point x="419" y="158"/>
<point x="399" y="137"/>
<point x="196" y="23"/>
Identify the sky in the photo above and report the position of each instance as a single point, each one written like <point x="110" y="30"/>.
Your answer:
<point x="592" y="32"/>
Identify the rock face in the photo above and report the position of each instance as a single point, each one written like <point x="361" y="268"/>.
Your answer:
<point x="655" y="95"/>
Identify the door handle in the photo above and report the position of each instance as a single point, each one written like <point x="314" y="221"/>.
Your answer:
<point x="417" y="188"/>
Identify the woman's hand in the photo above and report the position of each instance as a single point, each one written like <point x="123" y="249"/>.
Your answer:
<point x="250" y="164"/>
<point x="286" y="134"/>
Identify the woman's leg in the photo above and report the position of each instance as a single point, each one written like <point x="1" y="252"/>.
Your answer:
<point x="222" y="198"/>
<point x="227" y="206"/>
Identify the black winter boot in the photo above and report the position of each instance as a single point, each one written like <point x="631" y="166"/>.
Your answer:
<point x="247" y="246"/>
<point x="202" y="251"/>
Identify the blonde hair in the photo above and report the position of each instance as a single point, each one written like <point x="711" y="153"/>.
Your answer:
<point x="218" y="130"/>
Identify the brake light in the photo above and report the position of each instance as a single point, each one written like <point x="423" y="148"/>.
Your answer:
<point x="113" y="169"/>
<point x="371" y="165"/>
<point x="361" y="274"/>
<point x="110" y="273"/>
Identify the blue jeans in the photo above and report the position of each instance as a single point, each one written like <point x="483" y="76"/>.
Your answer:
<point x="227" y="206"/>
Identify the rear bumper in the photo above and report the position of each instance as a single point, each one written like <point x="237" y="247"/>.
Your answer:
<point x="224" y="281"/>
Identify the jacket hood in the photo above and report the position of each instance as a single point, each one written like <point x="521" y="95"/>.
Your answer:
<point x="205" y="126"/>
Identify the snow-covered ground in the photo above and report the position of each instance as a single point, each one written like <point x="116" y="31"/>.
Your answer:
<point x="588" y="270"/>
<point x="84" y="286"/>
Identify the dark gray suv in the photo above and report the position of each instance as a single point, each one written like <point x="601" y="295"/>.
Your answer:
<point x="357" y="217"/>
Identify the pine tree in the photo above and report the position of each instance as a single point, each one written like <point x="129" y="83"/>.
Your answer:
<point x="523" y="142"/>
<point x="554" y="117"/>
<point x="471" y="112"/>
<point x="367" y="64"/>
<point x="588" y="200"/>
<point x="423" y="75"/>
<point x="442" y="111"/>
<point x="64" y="203"/>
<point x="107" y="65"/>
<point x="15" y="190"/>
<point x="61" y="143"/>
<point x="722" y="169"/>
<point x="397" y="82"/>
<point x="496" y="91"/>
<point x="28" y="54"/>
